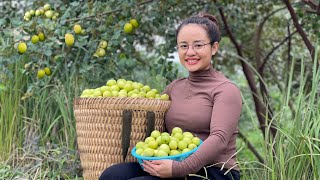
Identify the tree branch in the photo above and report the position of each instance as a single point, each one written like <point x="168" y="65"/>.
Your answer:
<point x="105" y="13"/>
<point x="273" y="49"/>
<point x="260" y="107"/>
<point x="299" y="28"/>
<point x="259" y="32"/>
<point x="251" y="147"/>
<point x="257" y="55"/>
<point x="313" y="11"/>
<point x="311" y="4"/>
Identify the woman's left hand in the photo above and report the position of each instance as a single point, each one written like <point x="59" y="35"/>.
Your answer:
<point x="160" y="168"/>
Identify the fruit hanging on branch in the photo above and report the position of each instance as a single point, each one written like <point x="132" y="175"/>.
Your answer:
<point x="45" y="10"/>
<point x="35" y="39"/>
<point x="44" y="72"/>
<point x="47" y="71"/>
<point x="41" y="73"/>
<point x="130" y="26"/>
<point x="100" y="52"/>
<point x="22" y="47"/>
<point x="41" y="36"/>
<point x="69" y="39"/>
<point x="77" y="29"/>
<point x="134" y="23"/>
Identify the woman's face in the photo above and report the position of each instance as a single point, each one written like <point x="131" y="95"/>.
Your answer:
<point x="194" y="48"/>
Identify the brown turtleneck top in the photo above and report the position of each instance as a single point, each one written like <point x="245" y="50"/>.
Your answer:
<point x="208" y="105"/>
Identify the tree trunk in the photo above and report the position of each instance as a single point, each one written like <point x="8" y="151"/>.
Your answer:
<point x="260" y="107"/>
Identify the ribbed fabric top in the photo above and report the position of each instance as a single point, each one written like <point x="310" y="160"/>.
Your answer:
<point x="208" y="105"/>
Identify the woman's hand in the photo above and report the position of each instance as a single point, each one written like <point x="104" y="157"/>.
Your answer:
<point x="160" y="168"/>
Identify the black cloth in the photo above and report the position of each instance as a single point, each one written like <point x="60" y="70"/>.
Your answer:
<point x="133" y="171"/>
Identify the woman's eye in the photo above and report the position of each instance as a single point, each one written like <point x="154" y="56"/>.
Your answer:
<point x="183" y="46"/>
<point x="198" y="45"/>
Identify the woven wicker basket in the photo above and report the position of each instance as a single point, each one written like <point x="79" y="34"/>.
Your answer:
<point x="108" y="128"/>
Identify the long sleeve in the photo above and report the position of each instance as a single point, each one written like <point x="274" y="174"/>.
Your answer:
<point x="225" y="115"/>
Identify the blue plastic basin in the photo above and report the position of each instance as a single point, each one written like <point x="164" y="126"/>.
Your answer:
<point x="178" y="157"/>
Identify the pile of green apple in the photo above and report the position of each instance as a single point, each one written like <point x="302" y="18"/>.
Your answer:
<point x="45" y="10"/>
<point x="163" y="144"/>
<point x="124" y="88"/>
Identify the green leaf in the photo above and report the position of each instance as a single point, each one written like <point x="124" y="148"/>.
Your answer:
<point x="8" y="33"/>
<point x="3" y="87"/>
<point x="16" y="22"/>
<point x="47" y="52"/>
<point x="2" y="22"/>
<point x="74" y="4"/>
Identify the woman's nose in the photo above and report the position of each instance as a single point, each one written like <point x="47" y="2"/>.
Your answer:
<point x="190" y="51"/>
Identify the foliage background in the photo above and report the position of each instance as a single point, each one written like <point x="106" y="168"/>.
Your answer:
<point x="38" y="127"/>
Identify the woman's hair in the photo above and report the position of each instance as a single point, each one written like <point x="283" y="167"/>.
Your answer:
<point x="207" y="21"/>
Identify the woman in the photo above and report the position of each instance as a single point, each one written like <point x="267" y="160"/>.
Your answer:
<point x="205" y="103"/>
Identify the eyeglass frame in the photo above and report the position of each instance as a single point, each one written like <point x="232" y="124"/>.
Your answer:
<point x="193" y="47"/>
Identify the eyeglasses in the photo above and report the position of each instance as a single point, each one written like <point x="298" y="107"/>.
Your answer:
<point x="198" y="46"/>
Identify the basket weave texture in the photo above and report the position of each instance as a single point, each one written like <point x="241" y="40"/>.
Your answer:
<point x="99" y="128"/>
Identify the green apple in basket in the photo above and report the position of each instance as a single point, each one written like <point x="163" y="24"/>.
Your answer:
<point x="155" y="134"/>
<point x="174" y="153"/>
<point x="123" y="88"/>
<point x="176" y="130"/>
<point x="166" y="145"/>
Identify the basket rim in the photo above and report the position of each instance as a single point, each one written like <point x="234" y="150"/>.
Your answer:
<point x="153" y="99"/>
<point x="121" y="103"/>
<point x="119" y="100"/>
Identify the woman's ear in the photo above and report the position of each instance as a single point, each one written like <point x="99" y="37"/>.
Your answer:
<point x="215" y="48"/>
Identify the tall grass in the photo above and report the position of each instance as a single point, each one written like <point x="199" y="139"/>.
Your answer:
<point x="295" y="151"/>
<point x="11" y="123"/>
<point x="37" y="126"/>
